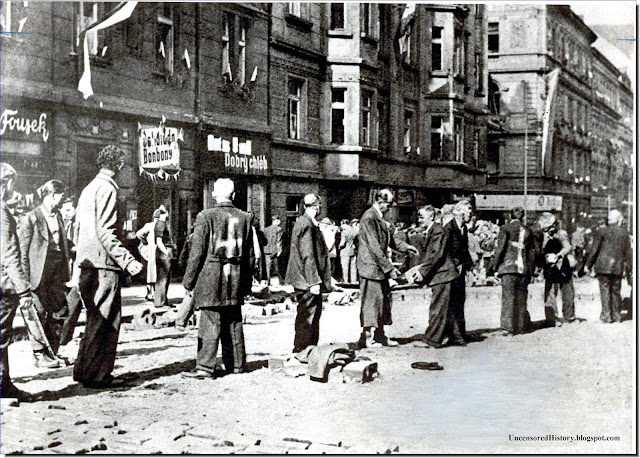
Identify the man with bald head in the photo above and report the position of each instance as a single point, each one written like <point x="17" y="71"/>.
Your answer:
<point x="611" y="259"/>
<point x="375" y="269"/>
<point x="219" y="272"/>
<point x="309" y="272"/>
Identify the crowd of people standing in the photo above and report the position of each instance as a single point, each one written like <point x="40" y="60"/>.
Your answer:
<point x="54" y="264"/>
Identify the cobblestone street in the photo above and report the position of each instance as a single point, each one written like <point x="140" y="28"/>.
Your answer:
<point x="573" y="380"/>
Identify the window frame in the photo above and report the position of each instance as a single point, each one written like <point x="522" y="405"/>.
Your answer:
<point x="333" y="26"/>
<point x="165" y="26"/>
<point x="297" y="99"/>
<point x="458" y="135"/>
<point x="338" y="106"/>
<point x="5" y="17"/>
<point x="241" y="69"/>
<point x="407" y="134"/>
<point x="436" y="43"/>
<point x="493" y="33"/>
<point x="366" y="133"/>
<point x="226" y="45"/>
<point x="437" y="132"/>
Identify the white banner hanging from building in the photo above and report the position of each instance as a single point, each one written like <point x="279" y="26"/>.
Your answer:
<point x="160" y="152"/>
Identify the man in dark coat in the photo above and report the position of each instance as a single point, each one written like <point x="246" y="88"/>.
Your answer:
<point x="15" y="290"/>
<point x="458" y="241"/>
<point x="45" y="259"/>
<point x="437" y="270"/>
<point x="101" y="258"/>
<point x="219" y="273"/>
<point x="512" y="262"/>
<point x="375" y="269"/>
<point x="309" y="272"/>
<point x="273" y="248"/>
<point x="611" y="258"/>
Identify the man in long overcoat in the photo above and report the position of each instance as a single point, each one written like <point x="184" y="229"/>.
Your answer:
<point x="219" y="273"/>
<point x="375" y="237"/>
<point x="437" y="270"/>
<point x="15" y="290"/>
<point x="45" y="259"/>
<point x="611" y="257"/>
<point x="309" y="272"/>
<point x="273" y="248"/>
<point x="512" y="262"/>
<point x="101" y="258"/>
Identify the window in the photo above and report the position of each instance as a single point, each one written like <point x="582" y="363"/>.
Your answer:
<point x="459" y="139"/>
<point x="494" y="37"/>
<point x="5" y="16"/>
<point x="242" y="52"/>
<point x="294" y="8"/>
<point x="408" y="115"/>
<point x="295" y="100"/>
<point x="367" y="136"/>
<point x="382" y="126"/>
<point x="459" y="58"/>
<point x="436" y="48"/>
<point x="226" y="63"/>
<point x="493" y="157"/>
<point x="86" y="15"/>
<point x="436" y="137"/>
<point x="337" y="115"/>
<point x="479" y="66"/>
<point x="165" y="40"/>
<point x="494" y="97"/>
<point x="476" y="147"/>
<point x="337" y="16"/>
<point x="370" y="24"/>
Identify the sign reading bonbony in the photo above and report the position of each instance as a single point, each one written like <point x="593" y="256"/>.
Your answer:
<point x="160" y="152"/>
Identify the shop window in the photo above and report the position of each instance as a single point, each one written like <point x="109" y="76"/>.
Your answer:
<point x="408" y="119"/>
<point x="437" y="134"/>
<point x="337" y="115"/>
<point x="366" y="137"/>
<point x="494" y="38"/>
<point x="337" y="16"/>
<point x="436" y="48"/>
<point x="295" y="87"/>
<point x="165" y="45"/>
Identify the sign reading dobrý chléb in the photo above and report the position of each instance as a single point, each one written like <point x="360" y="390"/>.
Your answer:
<point x="239" y="156"/>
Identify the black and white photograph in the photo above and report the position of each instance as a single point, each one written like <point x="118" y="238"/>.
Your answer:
<point x="318" y="228"/>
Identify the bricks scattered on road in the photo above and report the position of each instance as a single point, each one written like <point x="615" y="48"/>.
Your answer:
<point x="360" y="371"/>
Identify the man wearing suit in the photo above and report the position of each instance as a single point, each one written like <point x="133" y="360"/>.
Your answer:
<point x="309" y="272"/>
<point x="219" y="272"/>
<point x="611" y="258"/>
<point x="273" y="248"/>
<point x="375" y="269"/>
<point x="348" y="252"/>
<point x="512" y="261"/>
<point x="45" y="259"/>
<point x="458" y="241"/>
<point x="15" y="290"/>
<point x="101" y="258"/>
<point x="437" y="270"/>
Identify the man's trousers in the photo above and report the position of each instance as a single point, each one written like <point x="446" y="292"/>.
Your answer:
<point x="551" y="290"/>
<point x="100" y="292"/>
<point x="458" y="297"/>
<point x="307" y="325"/>
<point x="610" y="297"/>
<point x="221" y="324"/>
<point x="163" y="275"/>
<point x="349" y="271"/>
<point x="442" y="322"/>
<point x="514" y="303"/>
<point x="9" y="304"/>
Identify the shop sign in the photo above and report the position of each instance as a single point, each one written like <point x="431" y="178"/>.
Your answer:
<point x="406" y="197"/>
<point x="160" y="152"/>
<point x="603" y="202"/>
<point x="237" y="156"/>
<point x="28" y="123"/>
<point x="535" y="202"/>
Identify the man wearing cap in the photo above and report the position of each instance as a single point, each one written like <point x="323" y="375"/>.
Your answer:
<point x="219" y="273"/>
<point x="375" y="237"/>
<point x="611" y="258"/>
<point x="273" y="248"/>
<point x="309" y="272"/>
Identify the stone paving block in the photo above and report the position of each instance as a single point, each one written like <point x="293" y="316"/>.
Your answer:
<point x="277" y="363"/>
<point x="360" y="371"/>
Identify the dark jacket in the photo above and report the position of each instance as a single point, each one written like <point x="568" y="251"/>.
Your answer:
<point x="611" y="252"/>
<point x="219" y="269"/>
<point x="374" y="239"/>
<point x="34" y="245"/>
<point x="309" y="259"/>
<point x="435" y="263"/>
<point x="558" y="244"/>
<point x="511" y="255"/>
<point x="14" y="281"/>
<point x="273" y="235"/>
<point x="458" y="240"/>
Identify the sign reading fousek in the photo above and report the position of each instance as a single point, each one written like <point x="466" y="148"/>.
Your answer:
<point x="13" y="122"/>
<point x="238" y="156"/>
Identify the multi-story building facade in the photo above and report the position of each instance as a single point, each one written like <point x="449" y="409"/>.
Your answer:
<point x="558" y="95"/>
<point x="341" y="99"/>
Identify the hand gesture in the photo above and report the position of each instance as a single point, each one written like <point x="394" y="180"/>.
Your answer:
<point x="395" y="273"/>
<point x="413" y="250"/>
<point x="26" y="301"/>
<point x="315" y="290"/>
<point x="134" y="268"/>
<point x="413" y="275"/>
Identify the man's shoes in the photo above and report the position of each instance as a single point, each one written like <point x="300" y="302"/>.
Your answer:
<point x="370" y="343"/>
<point x="386" y="342"/>
<point x="238" y="370"/>
<point x="66" y="361"/>
<point x="108" y="381"/>
<point x="198" y="374"/>
<point x="148" y="298"/>
<point x="45" y="362"/>
<point x="457" y="343"/>
<point x="11" y="391"/>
